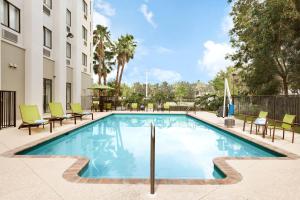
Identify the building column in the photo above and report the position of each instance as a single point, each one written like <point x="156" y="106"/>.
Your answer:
<point x="77" y="43"/>
<point x="59" y="47"/>
<point x="33" y="42"/>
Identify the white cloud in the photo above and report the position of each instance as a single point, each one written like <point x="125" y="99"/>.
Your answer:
<point x="227" y="24"/>
<point x="105" y="8"/>
<point x="134" y="74"/>
<point x="164" y="50"/>
<point x="213" y="59"/>
<point x="161" y="75"/>
<point x="148" y="15"/>
<point x="100" y="19"/>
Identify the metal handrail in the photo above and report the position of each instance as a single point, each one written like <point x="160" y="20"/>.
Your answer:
<point x="152" y="159"/>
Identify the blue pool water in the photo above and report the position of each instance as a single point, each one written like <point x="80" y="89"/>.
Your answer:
<point x="118" y="146"/>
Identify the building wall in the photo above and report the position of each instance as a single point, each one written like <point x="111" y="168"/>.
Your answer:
<point x="28" y="55"/>
<point x="70" y="75"/>
<point x="13" y="79"/>
<point x="49" y="73"/>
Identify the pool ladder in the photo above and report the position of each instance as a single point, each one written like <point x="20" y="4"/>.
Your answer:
<point x="152" y="159"/>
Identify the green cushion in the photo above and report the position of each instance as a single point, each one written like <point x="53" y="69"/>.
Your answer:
<point x="76" y="108"/>
<point x="108" y="105"/>
<point x="150" y="106"/>
<point x="134" y="105"/>
<point x="287" y="121"/>
<point x="29" y="113"/>
<point x="263" y="114"/>
<point x="56" y="109"/>
<point x="167" y="106"/>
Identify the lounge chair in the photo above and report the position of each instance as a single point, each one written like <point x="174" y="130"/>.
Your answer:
<point x="134" y="106"/>
<point x="167" y="106"/>
<point x="150" y="106"/>
<point x="57" y="113"/>
<point x="31" y="117"/>
<point x="95" y="106"/>
<point x="108" y="106"/>
<point x="286" y="124"/>
<point x="261" y="120"/>
<point x="78" y="112"/>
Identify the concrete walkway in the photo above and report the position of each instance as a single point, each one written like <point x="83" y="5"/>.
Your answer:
<point x="41" y="179"/>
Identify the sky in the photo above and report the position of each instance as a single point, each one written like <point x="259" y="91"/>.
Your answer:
<point x="177" y="40"/>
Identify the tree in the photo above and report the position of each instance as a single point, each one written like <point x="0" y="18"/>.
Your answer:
<point x="125" y="49"/>
<point x="103" y="54"/>
<point x="264" y="38"/>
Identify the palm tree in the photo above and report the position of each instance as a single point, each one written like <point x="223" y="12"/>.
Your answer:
<point x="103" y="54"/>
<point x="124" y="49"/>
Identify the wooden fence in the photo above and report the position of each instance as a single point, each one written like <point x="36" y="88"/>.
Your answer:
<point x="277" y="106"/>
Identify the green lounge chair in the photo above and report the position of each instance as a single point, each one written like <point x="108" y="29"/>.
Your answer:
<point x="108" y="106"/>
<point x="78" y="112"/>
<point x="150" y="106"/>
<point x="57" y="113"/>
<point x="31" y="117"/>
<point x="251" y="120"/>
<point x="167" y="106"/>
<point x="286" y="124"/>
<point x="95" y="106"/>
<point x="134" y="106"/>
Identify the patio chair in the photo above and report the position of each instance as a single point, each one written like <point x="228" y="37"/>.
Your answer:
<point x="150" y="106"/>
<point x="134" y="106"/>
<point x="167" y="106"/>
<point x="95" y="106"/>
<point x="261" y="120"/>
<point x="78" y="112"/>
<point x="286" y="124"/>
<point x="108" y="106"/>
<point x="31" y="117"/>
<point x="57" y="113"/>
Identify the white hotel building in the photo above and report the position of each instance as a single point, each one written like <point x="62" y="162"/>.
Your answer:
<point x="46" y="50"/>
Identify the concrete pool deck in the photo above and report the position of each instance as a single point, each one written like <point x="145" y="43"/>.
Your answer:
<point x="41" y="178"/>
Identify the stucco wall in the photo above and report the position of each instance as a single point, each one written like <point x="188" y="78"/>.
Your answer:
<point x="86" y="82"/>
<point x="70" y="75"/>
<point x="49" y="73"/>
<point x="13" y="79"/>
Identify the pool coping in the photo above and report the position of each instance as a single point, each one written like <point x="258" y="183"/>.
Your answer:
<point x="232" y="176"/>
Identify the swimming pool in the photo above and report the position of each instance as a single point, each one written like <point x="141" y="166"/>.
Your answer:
<point x="118" y="147"/>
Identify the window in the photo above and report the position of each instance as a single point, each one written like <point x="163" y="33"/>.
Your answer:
<point x="68" y="95"/>
<point x="47" y="94"/>
<point x="10" y="15"/>
<point x="47" y="38"/>
<point x="85" y="9"/>
<point x="48" y="3"/>
<point x="84" y="59"/>
<point x="68" y="18"/>
<point x="68" y="49"/>
<point x="84" y="33"/>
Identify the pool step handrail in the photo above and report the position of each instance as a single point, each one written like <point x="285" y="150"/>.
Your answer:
<point x="152" y="160"/>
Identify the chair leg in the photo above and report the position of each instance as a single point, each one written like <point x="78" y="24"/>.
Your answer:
<point x="29" y="128"/>
<point x="60" y="122"/>
<point x="293" y="136"/>
<point x="255" y="129"/>
<point x="251" y="128"/>
<point x="244" y="125"/>
<point x="51" y="124"/>
<point x="92" y="116"/>
<point x="283" y="133"/>
<point x="273" y="135"/>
